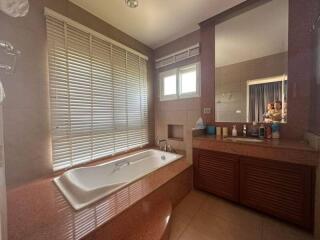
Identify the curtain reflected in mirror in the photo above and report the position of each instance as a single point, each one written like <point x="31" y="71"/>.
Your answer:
<point x="267" y="100"/>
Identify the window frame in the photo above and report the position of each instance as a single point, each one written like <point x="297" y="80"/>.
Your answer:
<point x="178" y="72"/>
<point x="163" y="75"/>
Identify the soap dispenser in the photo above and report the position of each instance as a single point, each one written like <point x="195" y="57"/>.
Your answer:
<point x="262" y="131"/>
<point x="234" y="131"/>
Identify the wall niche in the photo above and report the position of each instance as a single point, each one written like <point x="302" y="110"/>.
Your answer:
<point x="175" y="132"/>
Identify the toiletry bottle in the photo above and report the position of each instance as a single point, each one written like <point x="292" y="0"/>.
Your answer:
<point x="262" y="131"/>
<point x="268" y="132"/>
<point x="244" y="130"/>
<point x="254" y="130"/>
<point x="225" y="132"/>
<point x="275" y="130"/>
<point x="234" y="131"/>
<point x="218" y="130"/>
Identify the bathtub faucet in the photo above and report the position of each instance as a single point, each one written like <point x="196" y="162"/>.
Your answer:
<point x="165" y="145"/>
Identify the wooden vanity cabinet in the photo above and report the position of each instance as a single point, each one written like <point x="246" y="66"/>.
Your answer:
<point x="217" y="173"/>
<point x="281" y="189"/>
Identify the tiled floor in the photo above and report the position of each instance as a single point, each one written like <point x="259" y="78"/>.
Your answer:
<point x="201" y="216"/>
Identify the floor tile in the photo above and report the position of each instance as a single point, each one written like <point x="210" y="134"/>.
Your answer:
<point x="192" y="234"/>
<point x="201" y="216"/>
<point x="215" y="227"/>
<point x="273" y="229"/>
<point x="234" y="214"/>
<point x="179" y="224"/>
<point x="191" y="204"/>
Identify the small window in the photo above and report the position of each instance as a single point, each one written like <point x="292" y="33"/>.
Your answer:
<point x="170" y="85"/>
<point x="183" y="82"/>
<point x="188" y="80"/>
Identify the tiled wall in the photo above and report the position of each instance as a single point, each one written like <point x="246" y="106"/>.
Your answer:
<point x="315" y="112"/>
<point x="180" y="112"/>
<point x="3" y="196"/>
<point x="317" y="204"/>
<point x="300" y="66"/>
<point x="26" y="108"/>
<point x="314" y="141"/>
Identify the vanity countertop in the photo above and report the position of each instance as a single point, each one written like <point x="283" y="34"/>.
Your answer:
<point x="298" y="152"/>
<point x="38" y="210"/>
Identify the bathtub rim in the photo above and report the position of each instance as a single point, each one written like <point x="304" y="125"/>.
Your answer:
<point x="82" y="206"/>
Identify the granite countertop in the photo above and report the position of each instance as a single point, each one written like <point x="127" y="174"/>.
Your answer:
<point x="291" y="151"/>
<point x="273" y="143"/>
<point x="39" y="211"/>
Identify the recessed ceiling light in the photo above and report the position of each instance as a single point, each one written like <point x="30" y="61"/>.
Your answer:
<point x="132" y="3"/>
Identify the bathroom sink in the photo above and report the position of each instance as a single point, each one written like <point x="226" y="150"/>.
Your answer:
<point x="239" y="139"/>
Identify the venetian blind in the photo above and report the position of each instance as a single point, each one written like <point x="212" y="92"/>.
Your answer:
<point x="98" y="95"/>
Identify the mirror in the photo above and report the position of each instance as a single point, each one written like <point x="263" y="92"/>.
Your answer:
<point x="251" y="56"/>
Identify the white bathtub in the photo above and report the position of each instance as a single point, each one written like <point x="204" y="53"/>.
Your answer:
<point x="85" y="185"/>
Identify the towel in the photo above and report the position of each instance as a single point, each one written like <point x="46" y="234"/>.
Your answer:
<point x="14" y="8"/>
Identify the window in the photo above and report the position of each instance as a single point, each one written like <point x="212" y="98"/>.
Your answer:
<point x="182" y="82"/>
<point x="170" y="85"/>
<point x="188" y="80"/>
<point x="98" y="95"/>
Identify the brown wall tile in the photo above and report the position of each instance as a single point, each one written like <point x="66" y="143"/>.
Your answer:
<point x="183" y="111"/>
<point x="315" y="89"/>
<point x="207" y="71"/>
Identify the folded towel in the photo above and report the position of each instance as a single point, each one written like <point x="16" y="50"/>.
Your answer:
<point x="14" y="8"/>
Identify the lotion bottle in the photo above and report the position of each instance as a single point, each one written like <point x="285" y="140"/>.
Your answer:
<point x="234" y="131"/>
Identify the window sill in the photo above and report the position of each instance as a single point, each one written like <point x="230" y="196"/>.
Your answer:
<point x="178" y="98"/>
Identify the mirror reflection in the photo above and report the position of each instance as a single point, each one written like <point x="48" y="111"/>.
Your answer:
<point x="251" y="55"/>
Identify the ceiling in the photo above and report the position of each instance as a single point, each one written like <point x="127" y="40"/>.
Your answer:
<point x="156" y="22"/>
<point x="260" y="32"/>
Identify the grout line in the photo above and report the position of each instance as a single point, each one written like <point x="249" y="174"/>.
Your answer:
<point x="262" y="229"/>
<point x="184" y="229"/>
<point x="191" y="218"/>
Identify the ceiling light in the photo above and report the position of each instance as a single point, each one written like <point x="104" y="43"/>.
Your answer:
<point x="132" y="3"/>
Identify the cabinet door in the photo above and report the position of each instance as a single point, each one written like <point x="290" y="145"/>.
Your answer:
<point x="217" y="173"/>
<point x="280" y="189"/>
